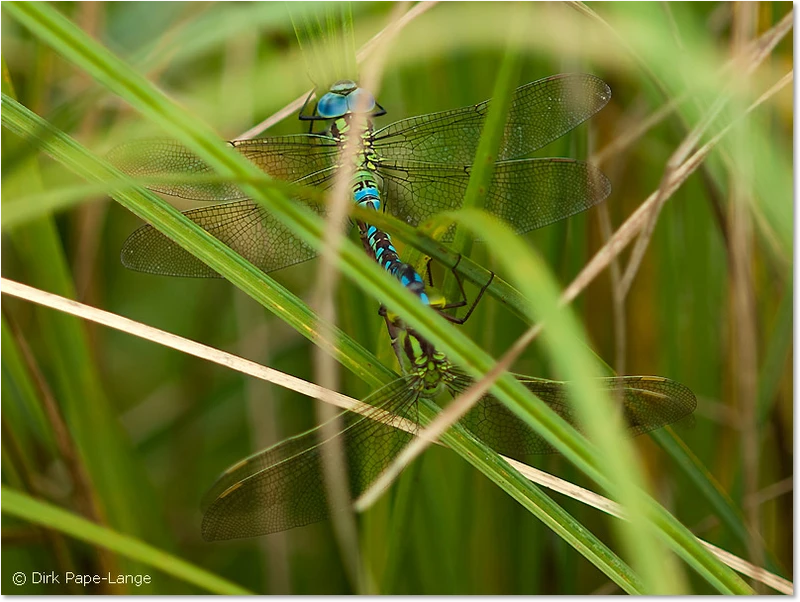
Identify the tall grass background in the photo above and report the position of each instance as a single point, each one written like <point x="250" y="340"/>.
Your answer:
<point x="103" y="427"/>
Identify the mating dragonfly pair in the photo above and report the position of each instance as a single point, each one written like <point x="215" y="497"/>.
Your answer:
<point x="415" y="168"/>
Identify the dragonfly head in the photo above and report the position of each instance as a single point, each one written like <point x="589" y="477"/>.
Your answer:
<point x="343" y="98"/>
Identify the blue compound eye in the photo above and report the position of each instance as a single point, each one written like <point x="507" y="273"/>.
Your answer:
<point x="360" y="100"/>
<point x="332" y="105"/>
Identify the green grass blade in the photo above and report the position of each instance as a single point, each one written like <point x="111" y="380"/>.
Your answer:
<point x="776" y="354"/>
<point x="16" y="503"/>
<point x="480" y="179"/>
<point x="116" y="480"/>
<point x="574" y="363"/>
<point x="34" y="206"/>
<point x="537" y="503"/>
<point x="22" y="406"/>
<point x="709" y="488"/>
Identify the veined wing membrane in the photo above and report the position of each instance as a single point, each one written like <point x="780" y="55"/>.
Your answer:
<point x="648" y="403"/>
<point x="527" y="193"/>
<point x="244" y="226"/>
<point x="301" y="158"/>
<point x="540" y="112"/>
<point x="283" y="487"/>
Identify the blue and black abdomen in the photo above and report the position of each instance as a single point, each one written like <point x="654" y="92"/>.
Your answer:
<point x="379" y="243"/>
<point x="381" y="247"/>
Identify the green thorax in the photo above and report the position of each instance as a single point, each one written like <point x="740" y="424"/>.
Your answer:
<point x="365" y="156"/>
<point x="431" y="369"/>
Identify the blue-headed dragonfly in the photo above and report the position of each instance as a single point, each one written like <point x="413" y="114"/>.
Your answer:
<point x="416" y="167"/>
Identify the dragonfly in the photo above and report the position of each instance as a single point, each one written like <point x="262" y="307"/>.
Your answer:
<point x="414" y="168"/>
<point x="283" y="487"/>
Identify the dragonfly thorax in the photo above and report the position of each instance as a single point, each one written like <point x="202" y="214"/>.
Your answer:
<point x="340" y="128"/>
<point x="364" y="157"/>
<point x="433" y="372"/>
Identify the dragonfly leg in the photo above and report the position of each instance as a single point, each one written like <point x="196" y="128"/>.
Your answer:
<point x="379" y="110"/>
<point x="394" y="334"/>
<point x="442" y="307"/>
<point x="477" y="299"/>
<point x="460" y="283"/>
<point x="464" y="300"/>
<point x="428" y="271"/>
<point x="310" y="118"/>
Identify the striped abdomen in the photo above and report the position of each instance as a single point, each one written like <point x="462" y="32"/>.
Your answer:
<point x="379" y="243"/>
<point x="380" y="246"/>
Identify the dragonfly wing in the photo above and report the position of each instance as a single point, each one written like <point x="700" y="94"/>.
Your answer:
<point x="283" y="487"/>
<point x="290" y="158"/>
<point x="648" y="403"/>
<point x="244" y="226"/>
<point x="651" y="402"/>
<point x="527" y="193"/>
<point x="505" y="432"/>
<point x="302" y="158"/>
<point x="540" y="112"/>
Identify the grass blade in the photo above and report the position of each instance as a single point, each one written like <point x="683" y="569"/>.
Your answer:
<point x="16" y="503"/>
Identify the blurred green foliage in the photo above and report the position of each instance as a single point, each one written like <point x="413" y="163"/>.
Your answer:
<point x="161" y="425"/>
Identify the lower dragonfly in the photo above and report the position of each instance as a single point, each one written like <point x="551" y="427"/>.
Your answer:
<point x="283" y="487"/>
<point x="415" y="167"/>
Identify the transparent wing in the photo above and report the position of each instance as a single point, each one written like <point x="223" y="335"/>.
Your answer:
<point x="282" y="487"/>
<point x="527" y="193"/>
<point x="304" y="158"/>
<point x="244" y="226"/>
<point x="301" y="158"/>
<point x="648" y="403"/>
<point x="540" y="112"/>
